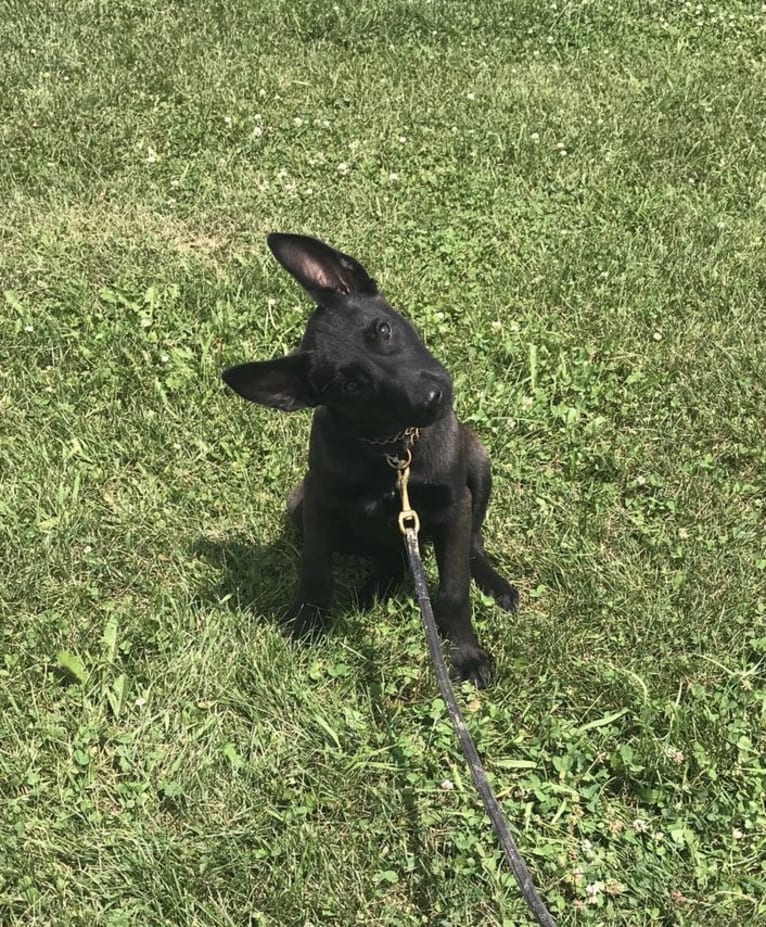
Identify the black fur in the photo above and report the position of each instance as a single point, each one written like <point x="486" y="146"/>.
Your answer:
<point x="370" y="376"/>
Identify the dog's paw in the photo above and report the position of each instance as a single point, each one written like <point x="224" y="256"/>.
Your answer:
<point x="472" y="664"/>
<point x="493" y="584"/>
<point x="507" y="597"/>
<point x="303" y="621"/>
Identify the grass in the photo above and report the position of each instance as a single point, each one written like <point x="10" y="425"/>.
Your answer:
<point x="570" y="203"/>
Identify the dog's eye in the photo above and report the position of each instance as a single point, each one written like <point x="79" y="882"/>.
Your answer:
<point x="384" y="330"/>
<point x="352" y="387"/>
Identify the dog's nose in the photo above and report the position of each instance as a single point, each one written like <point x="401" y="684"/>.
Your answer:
<point x="433" y="397"/>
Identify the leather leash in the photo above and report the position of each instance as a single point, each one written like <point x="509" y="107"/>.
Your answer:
<point x="409" y="526"/>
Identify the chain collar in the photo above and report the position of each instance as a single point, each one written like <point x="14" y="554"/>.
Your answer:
<point x="410" y="435"/>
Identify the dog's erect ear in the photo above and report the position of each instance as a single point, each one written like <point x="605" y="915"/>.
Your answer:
<point x="281" y="384"/>
<point x="320" y="269"/>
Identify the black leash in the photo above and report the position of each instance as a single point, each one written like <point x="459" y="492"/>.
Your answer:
<point x="409" y="525"/>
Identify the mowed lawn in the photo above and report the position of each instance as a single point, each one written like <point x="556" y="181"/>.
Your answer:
<point x="569" y="201"/>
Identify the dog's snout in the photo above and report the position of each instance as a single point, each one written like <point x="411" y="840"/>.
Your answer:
<point x="432" y="397"/>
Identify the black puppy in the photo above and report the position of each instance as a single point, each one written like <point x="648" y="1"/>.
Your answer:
<point x="378" y="393"/>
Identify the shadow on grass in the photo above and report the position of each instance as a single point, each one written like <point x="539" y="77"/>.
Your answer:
<point x="262" y="579"/>
<point x="248" y="576"/>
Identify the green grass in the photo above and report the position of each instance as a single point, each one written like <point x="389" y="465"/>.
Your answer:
<point x="569" y="201"/>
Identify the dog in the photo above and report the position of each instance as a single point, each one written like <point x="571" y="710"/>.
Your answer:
<point x="378" y="395"/>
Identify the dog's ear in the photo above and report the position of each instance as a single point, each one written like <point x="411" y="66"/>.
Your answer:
<point x="280" y="384"/>
<point x="320" y="269"/>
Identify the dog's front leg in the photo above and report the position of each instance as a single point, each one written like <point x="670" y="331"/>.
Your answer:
<point x="452" y="604"/>
<point x="315" y="585"/>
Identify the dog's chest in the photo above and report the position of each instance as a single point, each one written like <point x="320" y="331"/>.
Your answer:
<point x="380" y="505"/>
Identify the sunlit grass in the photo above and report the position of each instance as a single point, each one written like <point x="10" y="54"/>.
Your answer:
<point x="568" y="201"/>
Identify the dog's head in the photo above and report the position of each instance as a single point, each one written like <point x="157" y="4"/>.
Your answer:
<point x="358" y="356"/>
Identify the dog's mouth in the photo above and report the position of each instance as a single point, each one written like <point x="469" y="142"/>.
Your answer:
<point x="391" y="431"/>
<point x="417" y="422"/>
<point x="426" y="418"/>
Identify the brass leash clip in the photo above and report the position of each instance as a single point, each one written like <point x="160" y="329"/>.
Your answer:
<point x="408" y="517"/>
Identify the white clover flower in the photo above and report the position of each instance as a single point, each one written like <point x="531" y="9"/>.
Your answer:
<point x="593" y="890"/>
